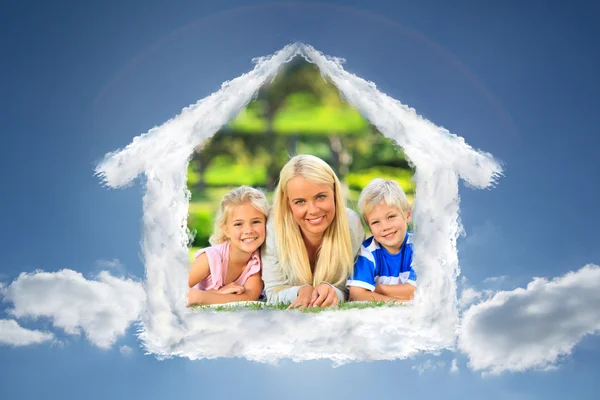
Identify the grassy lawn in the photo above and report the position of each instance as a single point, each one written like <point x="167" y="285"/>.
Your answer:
<point x="351" y="305"/>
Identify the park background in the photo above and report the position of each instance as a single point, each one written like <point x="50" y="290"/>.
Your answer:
<point x="298" y="112"/>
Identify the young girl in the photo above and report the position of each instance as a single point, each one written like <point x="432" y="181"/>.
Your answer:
<point x="229" y="270"/>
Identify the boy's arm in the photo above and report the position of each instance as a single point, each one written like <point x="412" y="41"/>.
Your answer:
<point x="252" y="290"/>
<point x="362" y="282"/>
<point x="199" y="270"/>
<point x="402" y="291"/>
<point x="361" y="294"/>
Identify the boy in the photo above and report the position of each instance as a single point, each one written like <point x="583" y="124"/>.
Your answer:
<point x="383" y="270"/>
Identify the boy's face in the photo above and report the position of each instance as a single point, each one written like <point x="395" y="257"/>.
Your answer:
<point x="388" y="226"/>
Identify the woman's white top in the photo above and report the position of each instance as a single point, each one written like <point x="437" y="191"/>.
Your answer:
<point x="272" y="272"/>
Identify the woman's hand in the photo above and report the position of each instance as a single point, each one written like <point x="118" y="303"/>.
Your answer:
<point x="324" y="295"/>
<point x="304" y="298"/>
<point x="232" y="288"/>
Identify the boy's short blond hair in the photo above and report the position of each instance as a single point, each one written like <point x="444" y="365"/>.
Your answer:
<point x="382" y="191"/>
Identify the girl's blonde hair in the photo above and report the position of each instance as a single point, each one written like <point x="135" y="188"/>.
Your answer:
<point x="383" y="191"/>
<point x="334" y="258"/>
<point x="232" y="199"/>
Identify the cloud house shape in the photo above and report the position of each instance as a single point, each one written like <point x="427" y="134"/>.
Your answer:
<point x="162" y="154"/>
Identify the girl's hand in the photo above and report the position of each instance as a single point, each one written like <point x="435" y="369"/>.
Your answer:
<point x="324" y="295"/>
<point x="232" y="288"/>
<point x="304" y="298"/>
<point x="194" y="296"/>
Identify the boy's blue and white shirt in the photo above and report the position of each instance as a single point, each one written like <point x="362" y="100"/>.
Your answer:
<point x="376" y="265"/>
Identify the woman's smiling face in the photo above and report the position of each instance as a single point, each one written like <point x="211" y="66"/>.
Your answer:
<point x="312" y="205"/>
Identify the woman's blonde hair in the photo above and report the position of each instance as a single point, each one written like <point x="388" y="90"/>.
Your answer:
<point x="334" y="258"/>
<point x="232" y="199"/>
<point x="383" y="191"/>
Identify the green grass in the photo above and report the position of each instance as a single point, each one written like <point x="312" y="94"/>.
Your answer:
<point x="351" y="305"/>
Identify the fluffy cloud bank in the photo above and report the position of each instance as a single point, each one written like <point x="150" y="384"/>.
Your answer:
<point x="12" y="334"/>
<point x="532" y="327"/>
<point x="103" y="309"/>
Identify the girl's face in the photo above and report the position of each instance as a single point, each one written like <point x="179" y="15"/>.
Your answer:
<point x="388" y="226"/>
<point x="312" y="205"/>
<point x="245" y="228"/>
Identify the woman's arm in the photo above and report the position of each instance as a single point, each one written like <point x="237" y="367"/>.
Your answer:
<point x="199" y="271"/>
<point x="252" y="289"/>
<point x="402" y="291"/>
<point x="361" y="294"/>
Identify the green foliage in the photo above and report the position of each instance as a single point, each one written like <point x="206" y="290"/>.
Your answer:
<point x="298" y="116"/>
<point x="358" y="180"/>
<point x="299" y="102"/>
<point x="202" y="223"/>
<point x="226" y="171"/>
<point x="250" y="119"/>
<point x="193" y="251"/>
<point x="192" y="175"/>
<point x="318" y="148"/>
<point x="299" y="112"/>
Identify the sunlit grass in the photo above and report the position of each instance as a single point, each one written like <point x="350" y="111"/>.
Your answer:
<point x="255" y="306"/>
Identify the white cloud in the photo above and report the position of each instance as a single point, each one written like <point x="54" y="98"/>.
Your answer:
<point x="125" y="350"/>
<point x="270" y="335"/>
<point x="532" y="328"/>
<point x="12" y="334"/>
<point x="162" y="155"/>
<point x="454" y="367"/>
<point x="495" y="279"/>
<point x="103" y="309"/>
<point x="114" y="263"/>
<point x="428" y="366"/>
<point x="468" y="296"/>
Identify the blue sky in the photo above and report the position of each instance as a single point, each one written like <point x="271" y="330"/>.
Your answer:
<point x="78" y="81"/>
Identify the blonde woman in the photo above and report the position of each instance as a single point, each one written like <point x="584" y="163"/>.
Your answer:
<point x="312" y="238"/>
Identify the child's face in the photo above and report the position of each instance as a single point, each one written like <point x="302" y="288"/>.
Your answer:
<point x="245" y="228"/>
<point x="388" y="226"/>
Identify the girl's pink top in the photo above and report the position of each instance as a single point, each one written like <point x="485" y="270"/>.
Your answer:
<point x="218" y="258"/>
